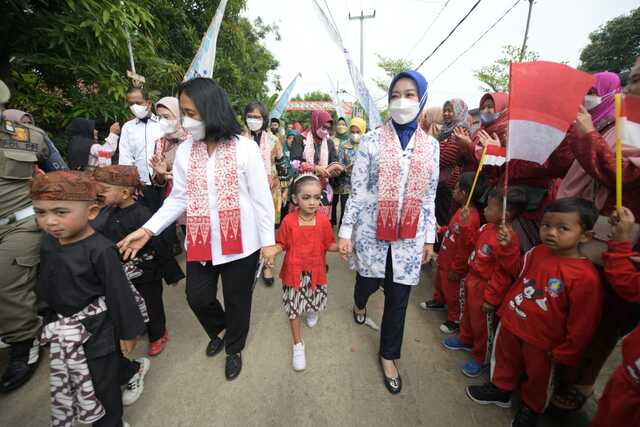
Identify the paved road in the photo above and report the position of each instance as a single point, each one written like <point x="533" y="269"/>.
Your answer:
<point x="342" y="385"/>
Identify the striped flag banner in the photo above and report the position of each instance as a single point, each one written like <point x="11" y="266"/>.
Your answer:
<point x="630" y="121"/>
<point x="203" y="62"/>
<point x="282" y="102"/>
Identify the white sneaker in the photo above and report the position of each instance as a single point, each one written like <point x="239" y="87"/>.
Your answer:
<point x="125" y="424"/>
<point x="299" y="358"/>
<point x="135" y="386"/>
<point x="312" y="319"/>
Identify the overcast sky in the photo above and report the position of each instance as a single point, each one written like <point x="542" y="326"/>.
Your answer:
<point x="559" y="30"/>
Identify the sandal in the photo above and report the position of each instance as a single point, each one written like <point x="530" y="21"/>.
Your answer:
<point x="359" y="318"/>
<point x="569" y="400"/>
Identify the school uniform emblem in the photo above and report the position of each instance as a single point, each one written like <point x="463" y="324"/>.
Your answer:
<point x="456" y="228"/>
<point x="486" y="249"/>
<point x="555" y="287"/>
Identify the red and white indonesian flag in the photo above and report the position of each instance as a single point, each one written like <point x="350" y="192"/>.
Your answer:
<point x="630" y="121"/>
<point x="495" y="156"/>
<point x="544" y="100"/>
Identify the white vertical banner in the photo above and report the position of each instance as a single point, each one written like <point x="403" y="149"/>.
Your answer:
<point x="362" y="92"/>
<point x="281" y="104"/>
<point x="335" y="96"/>
<point x="203" y="62"/>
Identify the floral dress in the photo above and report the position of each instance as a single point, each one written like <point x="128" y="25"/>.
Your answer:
<point x="359" y="221"/>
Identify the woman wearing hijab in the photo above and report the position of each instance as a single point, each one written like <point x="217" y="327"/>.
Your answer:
<point x="389" y="225"/>
<point x="431" y="121"/>
<point x="83" y="152"/>
<point x="592" y="176"/>
<point x="346" y="156"/>
<point x="219" y="180"/>
<point x="454" y="114"/>
<point x="257" y="122"/>
<point x="342" y="136"/>
<point x="317" y="154"/>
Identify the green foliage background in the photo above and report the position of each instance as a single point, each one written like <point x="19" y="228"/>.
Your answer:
<point x="68" y="58"/>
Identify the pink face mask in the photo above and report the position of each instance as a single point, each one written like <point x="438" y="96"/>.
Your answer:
<point x="322" y="133"/>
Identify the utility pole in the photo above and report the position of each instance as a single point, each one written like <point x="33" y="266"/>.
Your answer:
<point x="362" y="17"/>
<point x="526" y="32"/>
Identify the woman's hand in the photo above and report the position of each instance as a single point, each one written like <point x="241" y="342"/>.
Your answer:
<point x="622" y="221"/>
<point x="159" y="164"/>
<point x="321" y="172"/>
<point x="462" y="137"/>
<point x="486" y="140"/>
<point x="584" y="122"/>
<point x="130" y="245"/>
<point x="427" y="253"/>
<point x="268" y="253"/>
<point x="345" y="247"/>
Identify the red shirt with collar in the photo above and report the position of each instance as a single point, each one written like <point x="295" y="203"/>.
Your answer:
<point x="458" y="242"/>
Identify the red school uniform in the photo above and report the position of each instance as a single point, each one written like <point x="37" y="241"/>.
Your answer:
<point x="550" y="315"/>
<point x="620" y="401"/>
<point x="485" y="282"/>
<point x="305" y="247"/>
<point x="457" y="244"/>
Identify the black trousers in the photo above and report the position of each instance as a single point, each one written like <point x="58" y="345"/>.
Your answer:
<point x="396" y="299"/>
<point x="237" y="290"/>
<point x="127" y="368"/>
<point x="105" y="372"/>
<point x="152" y="294"/>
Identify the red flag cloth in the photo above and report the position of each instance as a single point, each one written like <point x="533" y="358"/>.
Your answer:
<point x="495" y="156"/>
<point x="544" y="101"/>
<point x="630" y="121"/>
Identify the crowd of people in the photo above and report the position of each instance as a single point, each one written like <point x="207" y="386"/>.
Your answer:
<point x="537" y="274"/>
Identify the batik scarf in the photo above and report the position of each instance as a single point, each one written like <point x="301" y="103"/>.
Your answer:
<point x="228" y="201"/>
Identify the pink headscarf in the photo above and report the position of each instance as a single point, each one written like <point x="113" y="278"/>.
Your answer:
<point x="607" y="85"/>
<point x="318" y="120"/>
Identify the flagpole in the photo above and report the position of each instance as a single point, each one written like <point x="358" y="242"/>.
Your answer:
<point x="475" y="179"/>
<point x="506" y="166"/>
<point x="618" y="151"/>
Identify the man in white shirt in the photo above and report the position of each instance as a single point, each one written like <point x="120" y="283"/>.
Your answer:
<point x="139" y="135"/>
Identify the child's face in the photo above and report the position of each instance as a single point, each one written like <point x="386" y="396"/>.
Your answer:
<point x="562" y="231"/>
<point x="65" y="220"/>
<point x="493" y="211"/>
<point x="459" y="195"/>
<point x="308" y="197"/>
<point x="113" y="195"/>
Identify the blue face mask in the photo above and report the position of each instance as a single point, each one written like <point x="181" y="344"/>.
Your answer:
<point x="488" y="118"/>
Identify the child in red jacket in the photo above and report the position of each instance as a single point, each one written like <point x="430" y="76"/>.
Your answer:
<point x="485" y="285"/>
<point x="550" y="314"/>
<point x="457" y="244"/>
<point x="620" y="402"/>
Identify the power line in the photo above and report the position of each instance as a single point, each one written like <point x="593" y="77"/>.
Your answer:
<point x="449" y="35"/>
<point x="428" y="28"/>
<point x="477" y="40"/>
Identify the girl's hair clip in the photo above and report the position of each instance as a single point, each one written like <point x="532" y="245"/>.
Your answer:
<point x="305" y="174"/>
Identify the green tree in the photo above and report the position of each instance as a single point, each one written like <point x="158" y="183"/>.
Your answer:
<point x="391" y="67"/>
<point x="495" y="77"/>
<point x="68" y="58"/>
<point x="614" y="46"/>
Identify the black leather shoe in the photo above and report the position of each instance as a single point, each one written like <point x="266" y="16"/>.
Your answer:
<point x="233" y="366"/>
<point x="394" y="385"/>
<point x="18" y="372"/>
<point x="215" y="346"/>
<point x="268" y="281"/>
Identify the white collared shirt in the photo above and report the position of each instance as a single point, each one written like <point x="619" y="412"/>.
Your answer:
<point x="138" y="144"/>
<point x="257" y="214"/>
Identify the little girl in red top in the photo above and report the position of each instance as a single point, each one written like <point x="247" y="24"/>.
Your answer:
<point x="305" y="238"/>
<point x="620" y="401"/>
<point x="457" y="244"/>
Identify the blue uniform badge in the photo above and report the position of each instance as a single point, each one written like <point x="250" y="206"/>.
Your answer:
<point x="555" y="287"/>
<point x="456" y="228"/>
<point x="486" y="249"/>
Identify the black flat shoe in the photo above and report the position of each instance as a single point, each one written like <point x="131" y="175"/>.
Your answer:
<point x="233" y="366"/>
<point x="215" y="346"/>
<point x="357" y="315"/>
<point x="394" y="385"/>
<point x="17" y="374"/>
<point x="268" y="281"/>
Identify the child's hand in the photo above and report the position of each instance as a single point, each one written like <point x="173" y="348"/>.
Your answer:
<point x="488" y="308"/>
<point x="127" y="346"/>
<point x="453" y="276"/>
<point x="622" y="221"/>
<point x="504" y="237"/>
<point x="427" y="253"/>
<point x="464" y="215"/>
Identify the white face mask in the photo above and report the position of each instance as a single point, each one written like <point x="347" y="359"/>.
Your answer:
<point x="355" y="137"/>
<point x="253" y="124"/>
<point x="592" y="101"/>
<point x="404" y="110"/>
<point x="140" y="111"/>
<point x="168" y="126"/>
<point x="194" y="127"/>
